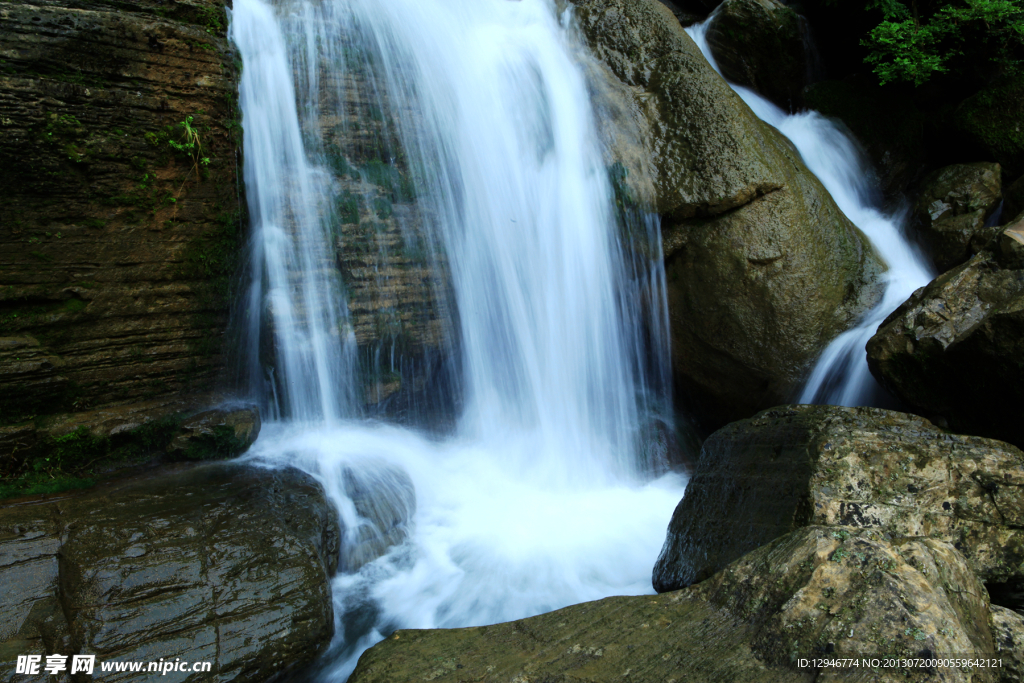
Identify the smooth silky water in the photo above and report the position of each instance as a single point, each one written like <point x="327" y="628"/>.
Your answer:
<point x="841" y="375"/>
<point x="542" y="494"/>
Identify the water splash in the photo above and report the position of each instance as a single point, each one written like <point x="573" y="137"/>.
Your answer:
<point x="841" y="375"/>
<point x="544" y="494"/>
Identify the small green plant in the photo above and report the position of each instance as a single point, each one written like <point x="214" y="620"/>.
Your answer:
<point x="189" y="144"/>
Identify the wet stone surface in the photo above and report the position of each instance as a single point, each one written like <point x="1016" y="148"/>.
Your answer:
<point x="221" y="563"/>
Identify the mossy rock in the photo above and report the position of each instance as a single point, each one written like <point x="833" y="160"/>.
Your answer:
<point x="992" y="118"/>
<point x="794" y="466"/>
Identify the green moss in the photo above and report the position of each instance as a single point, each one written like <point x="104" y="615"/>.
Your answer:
<point x="35" y="485"/>
<point x="348" y="208"/>
<point x="217" y="446"/>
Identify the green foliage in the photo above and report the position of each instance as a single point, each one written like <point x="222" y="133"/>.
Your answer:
<point x="916" y="41"/>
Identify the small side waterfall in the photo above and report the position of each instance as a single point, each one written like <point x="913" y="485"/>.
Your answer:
<point x="841" y="375"/>
<point x="544" y="494"/>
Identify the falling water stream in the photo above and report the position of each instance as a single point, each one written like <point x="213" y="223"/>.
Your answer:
<point x="841" y="375"/>
<point x="541" y="495"/>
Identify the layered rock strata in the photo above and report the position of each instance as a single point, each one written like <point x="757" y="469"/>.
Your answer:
<point x="120" y="223"/>
<point x="218" y="563"/>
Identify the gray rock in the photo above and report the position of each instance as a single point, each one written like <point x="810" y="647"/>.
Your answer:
<point x="1008" y="633"/>
<point x="951" y="210"/>
<point x="811" y="593"/>
<point x="385" y="500"/>
<point x="953" y="350"/>
<point x="220" y="563"/>
<point x="763" y="269"/>
<point x="793" y="466"/>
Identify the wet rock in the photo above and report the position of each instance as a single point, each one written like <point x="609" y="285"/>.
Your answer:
<point x="31" y="620"/>
<point x="763" y="45"/>
<point x="793" y="466"/>
<point x="1008" y="633"/>
<point x="220" y="563"/>
<point x="763" y="269"/>
<point x="953" y="349"/>
<point x="215" y="434"/>
<point x="810" y="593"/>
<point x="385" y="501"/>
<point x="952" y="208"/>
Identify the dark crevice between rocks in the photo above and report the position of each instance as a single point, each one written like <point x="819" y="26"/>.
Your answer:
<point x="1008" y="594"/>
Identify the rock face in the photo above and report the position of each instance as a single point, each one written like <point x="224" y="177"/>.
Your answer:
<point x="763" y="45"/>
<point x="763" y="269"/>
<point x="395" y="274"/>
<point x="953" y="349"/>
<point x="218" y="563"/>
<point x="794" y="466"/>
<point x="103" y="440"/>
<point x="813" y="592"/>
<point x="116" y="246"/>
<point x="951" y="210"/>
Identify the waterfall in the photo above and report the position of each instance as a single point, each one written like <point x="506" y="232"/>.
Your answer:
<point x="467" y="126"/>
<point x="841" y="375"/>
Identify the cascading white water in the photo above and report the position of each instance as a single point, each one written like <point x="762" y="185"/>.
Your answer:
<point x="541" y="497"/>
<point x="841" y="375"/>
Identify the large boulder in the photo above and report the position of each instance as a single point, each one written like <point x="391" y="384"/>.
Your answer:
<point x="763" y="45"/>
<point x="812" y="593"/>
<point x="219" y="563"/>
<point x="763" y="269"/>
<point x="991" y="120"/>
<point x="793" y="466"/>
<point x="953" y="350"/>
<point x="952" y="208"/>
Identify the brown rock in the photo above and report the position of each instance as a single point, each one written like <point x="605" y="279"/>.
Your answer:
<point x="1008" y="634"/>
<point x="117" y="249"/>
<point x="763" y="45"/>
